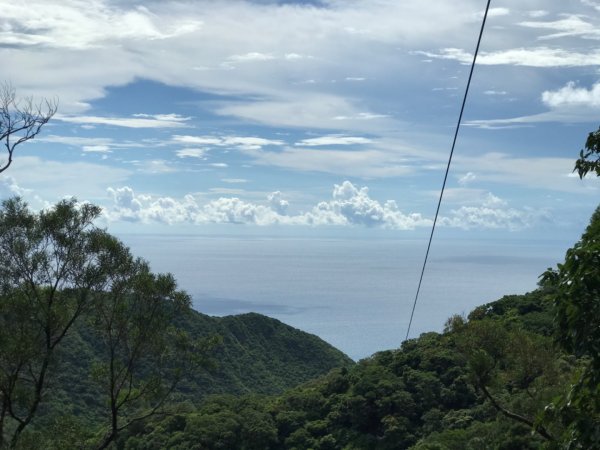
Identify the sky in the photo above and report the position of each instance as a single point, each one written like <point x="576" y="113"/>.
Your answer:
<point x="330" y="117"/>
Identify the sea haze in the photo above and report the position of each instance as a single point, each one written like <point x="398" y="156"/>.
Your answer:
<point x="356" y="294"/>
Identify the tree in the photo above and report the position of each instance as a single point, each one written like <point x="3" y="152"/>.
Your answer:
<point x="143" y="356"/>
<point x="576" y="295"/>
<point x="51" y="266"/>
<point x="21" y="120"/>
<point x="575" y="287"/>
<point x="589" y="159"/>
<point x="56" y="269"/>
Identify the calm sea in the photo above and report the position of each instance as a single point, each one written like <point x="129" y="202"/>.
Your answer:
<point x="356" y="294"/>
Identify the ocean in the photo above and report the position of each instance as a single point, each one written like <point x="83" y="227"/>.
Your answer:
<point x="356" y="294"/>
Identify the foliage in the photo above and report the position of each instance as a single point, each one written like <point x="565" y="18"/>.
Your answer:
<point x="425" y="395"/>
<point x="51" y="266"/>
<point x="576" y="286"/>
<point x="141" y="357"/>
<point x="57" y="268"/>
<point x="589" y="159"/>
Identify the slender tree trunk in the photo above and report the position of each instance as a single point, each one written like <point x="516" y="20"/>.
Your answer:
<point x="39" y="387"/>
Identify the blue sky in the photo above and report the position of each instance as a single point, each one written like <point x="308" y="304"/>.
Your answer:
<point x="309" y="117"/>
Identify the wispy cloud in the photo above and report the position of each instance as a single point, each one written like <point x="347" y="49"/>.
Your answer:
<point x="136" y="121"/>
<point x="333" y="139"/>
<point x="571" y="25"/>
<point x="531" y="57"/>
<point x="191" y="153"/>
<point x="96" y="149"/>
<point x="243" y="142"/>
<point x="65" y="25"/>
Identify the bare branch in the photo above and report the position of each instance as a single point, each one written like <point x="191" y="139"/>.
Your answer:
<point x="21" y="120"/>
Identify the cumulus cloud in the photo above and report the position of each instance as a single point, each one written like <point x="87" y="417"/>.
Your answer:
<point x="277" y="203"/>
<point x="349" y="205"/>
<point x="571" y="95"/>
<point x="494" y="213"/>
<point x="353" y="205"/>
<point x="10" y="188"/>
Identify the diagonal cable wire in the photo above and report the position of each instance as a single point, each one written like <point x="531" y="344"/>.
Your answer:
<point x="462" y="109"/>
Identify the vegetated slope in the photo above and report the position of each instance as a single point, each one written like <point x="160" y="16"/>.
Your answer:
<point x="424" y="395"/>
<point x="257" y="354"/>
<point x="260" y="355"/>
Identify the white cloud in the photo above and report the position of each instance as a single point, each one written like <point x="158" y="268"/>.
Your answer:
<point x="323" y="111"/>
<point x="361" y="163"/>
<point x="349" y="206"/>
<point x="154" y="166"/>
<point x="277" y="203"/>
<point x="494" y="213"/>
<point x="97" y="143"/>
<point x="333" y="139"/>
<point x="138" y="121"/>
<point x="531" y="57"/>
<point x="571" y="95"/>
<point x="75" y="26"/>
<point x="250" y="143"/>
<point x="496" y="12"/>
<point x="191" y="153"/>
<point x="592" y="3"/>
<point x="197" y="140"/>
<point x="353" y="206"/>
<point x="571" y="25"/>
<point x="10" y="188"/>
<point x="252" y="56"/>
<point x="241" y="142"/>
<point x="537" y="13"/>
<point x="467" y="179"/>
<point x="234" y="180"/>
<point x="96" y="149"/>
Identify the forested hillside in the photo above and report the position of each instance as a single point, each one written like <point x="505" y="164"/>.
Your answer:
<point x="254" y="354"/>
<point x="424" y="395"/>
